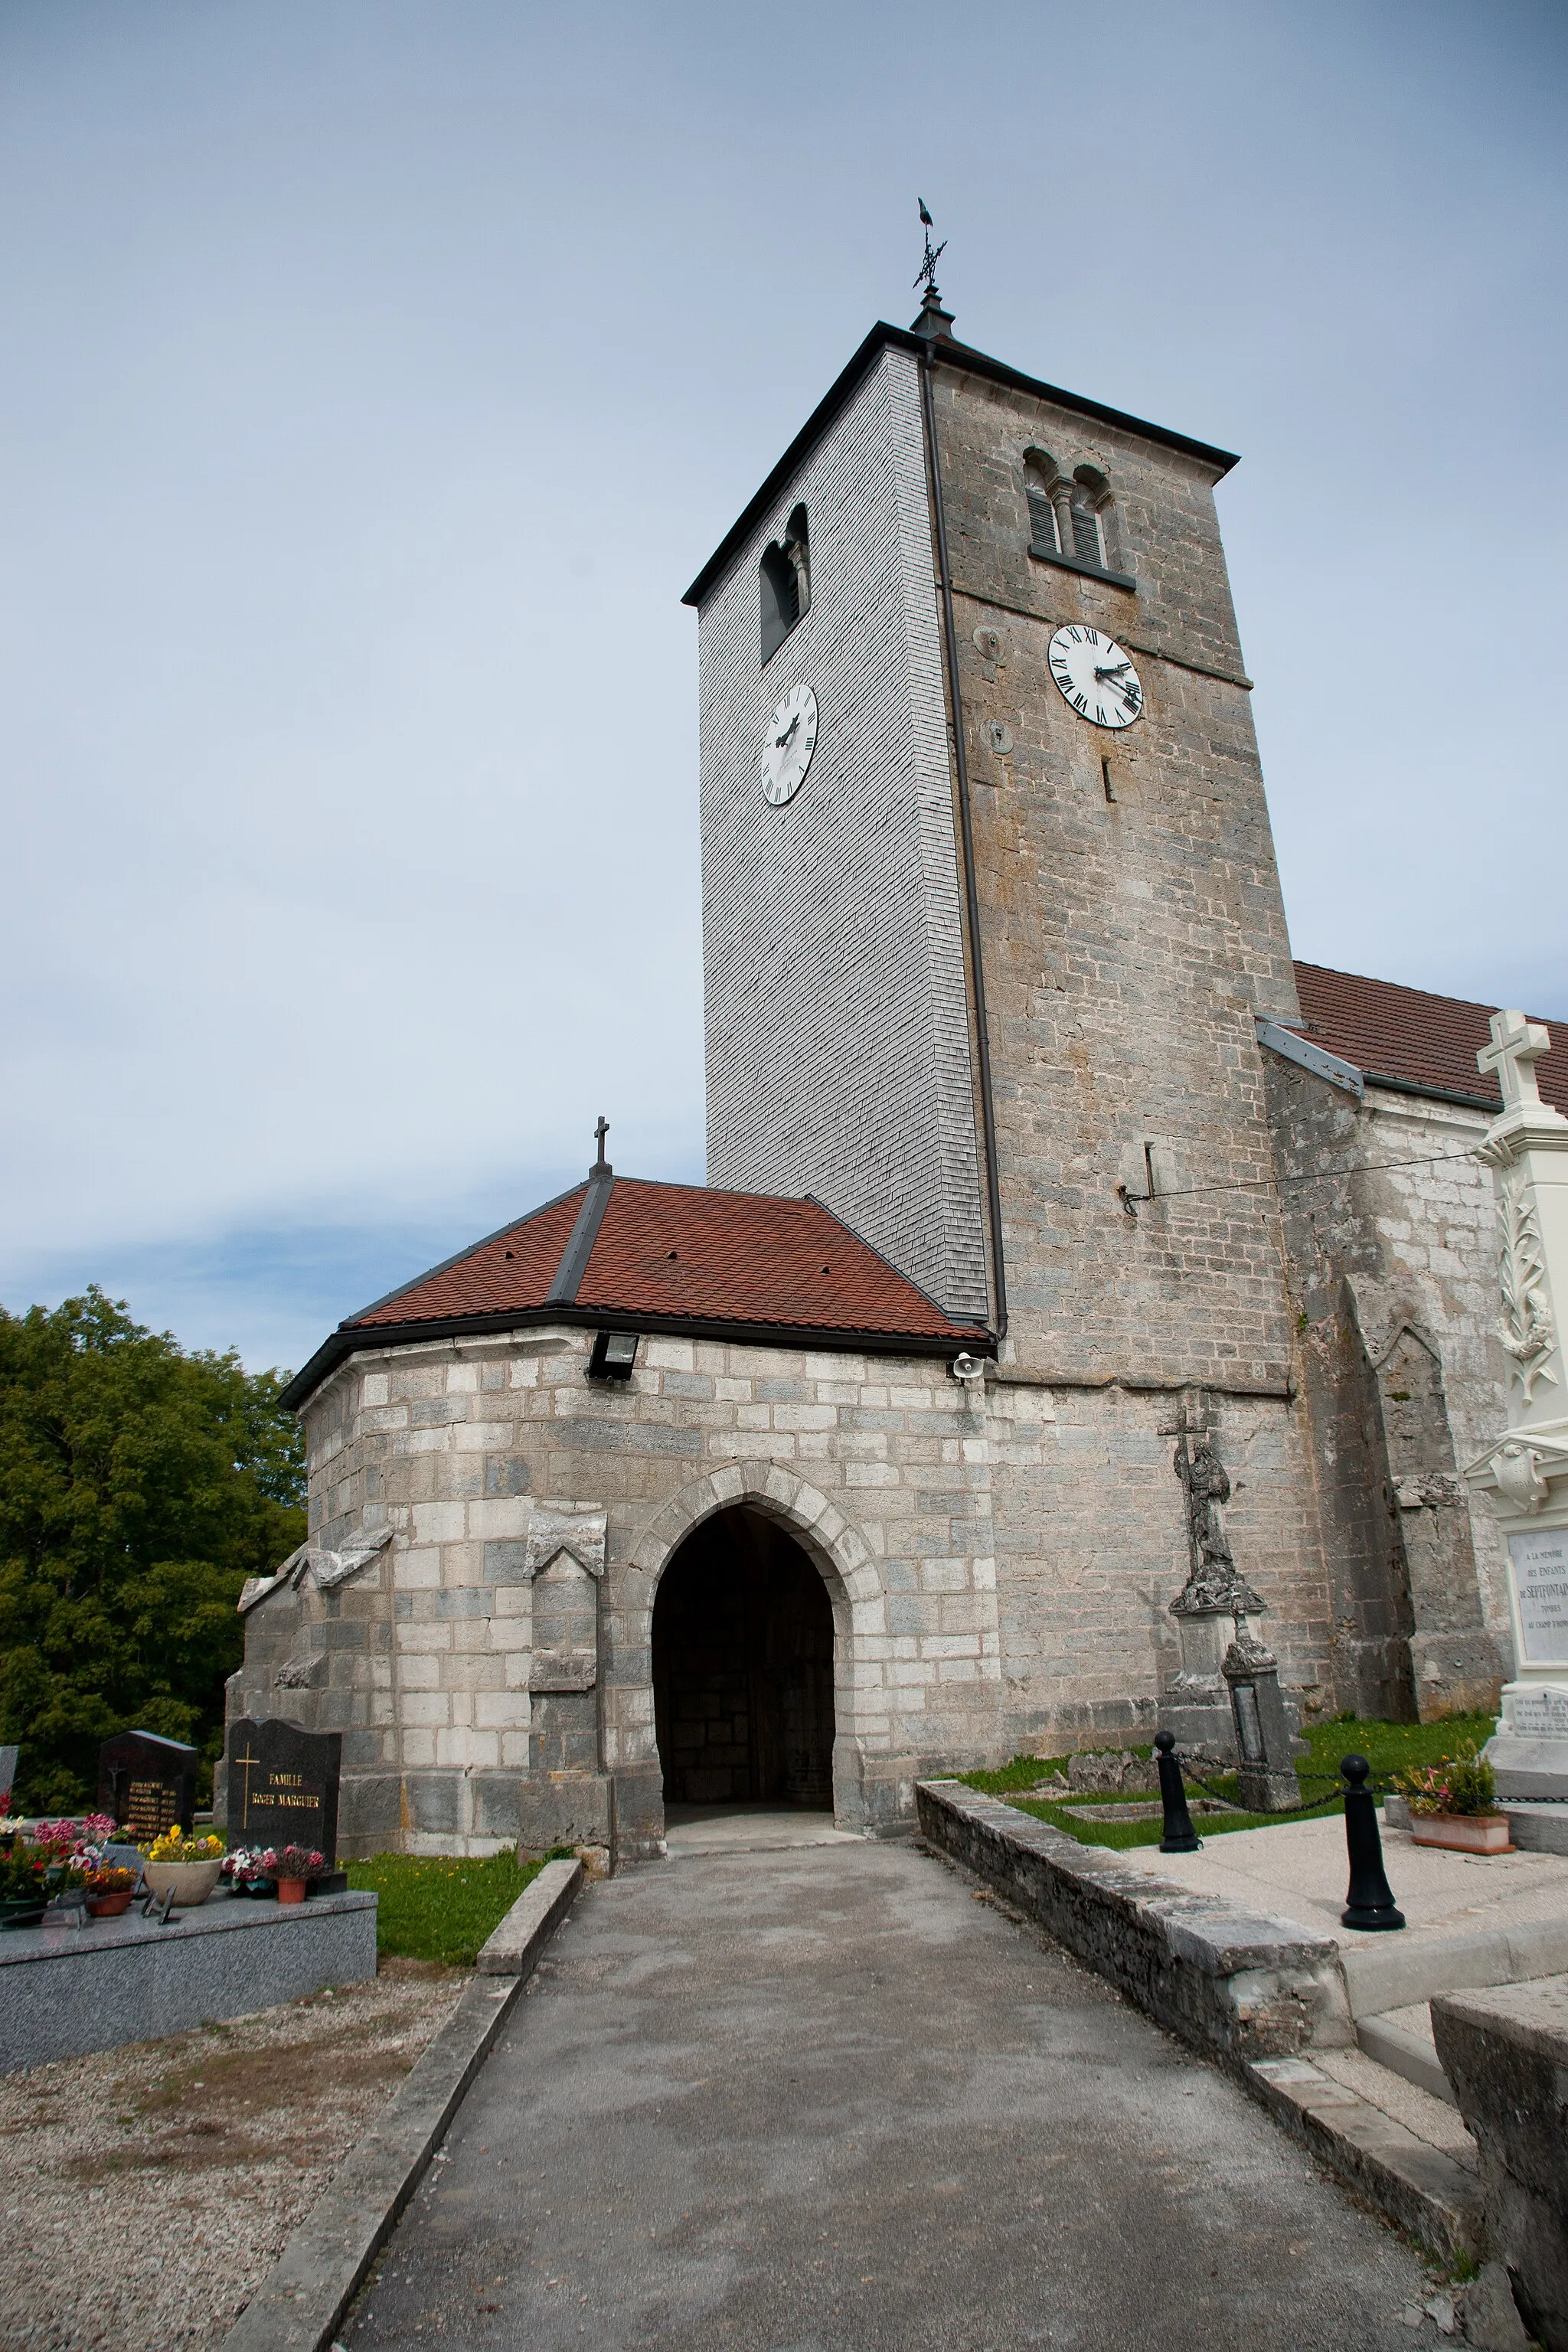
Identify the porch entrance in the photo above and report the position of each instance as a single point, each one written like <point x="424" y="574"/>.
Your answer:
<point x="743" y="1669"/>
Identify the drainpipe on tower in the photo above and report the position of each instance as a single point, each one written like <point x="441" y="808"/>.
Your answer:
<point x="933" y="321"/>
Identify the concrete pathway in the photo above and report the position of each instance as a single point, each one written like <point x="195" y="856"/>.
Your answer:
<point x="1300" y="1868"/>
<point x="823" y="2099"/>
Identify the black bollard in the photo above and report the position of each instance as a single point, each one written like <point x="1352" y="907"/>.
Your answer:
<point x="1178" y="1834"/>
<point x="1369" y="1899"/>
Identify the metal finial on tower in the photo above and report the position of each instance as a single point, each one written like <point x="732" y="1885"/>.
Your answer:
<point x="933" y="320"/>
<point x="600" y="1166"/>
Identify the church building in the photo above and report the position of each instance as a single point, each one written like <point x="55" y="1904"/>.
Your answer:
<point x="1035" y="1162"/>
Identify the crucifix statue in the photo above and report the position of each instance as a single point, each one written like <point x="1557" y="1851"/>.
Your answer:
<point x="1213" y="1580"/>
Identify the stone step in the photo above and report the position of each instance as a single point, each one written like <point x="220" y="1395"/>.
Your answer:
<point x="1397" y="1972"/>
<point x="1537" y="1828"/>
<point x="1402" y="2041"/>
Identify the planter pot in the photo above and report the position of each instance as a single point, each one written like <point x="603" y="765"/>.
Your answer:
<point x="193" y="1881"/>
<point x="109" y="1906"/>
<point x="23" y="1912"/>
<point x="1462" y="1833"/>
<point x="292" y="1890"/>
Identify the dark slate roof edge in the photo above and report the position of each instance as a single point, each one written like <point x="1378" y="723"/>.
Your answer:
<point x="350" y="1340"/>
<point x="579" y="1240"/>
<point x="885" y="337"/>
<point x="469" y="1249"/>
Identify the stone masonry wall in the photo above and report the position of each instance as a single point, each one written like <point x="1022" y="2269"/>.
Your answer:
<point x="1091" y="1549"/>
<point x="838" y="1028"/>
<point x="1132" y="926"/>
<point x="880" y="1468"/>
<point x="1393" y="1267"/>
<point x="1128" y="942"/>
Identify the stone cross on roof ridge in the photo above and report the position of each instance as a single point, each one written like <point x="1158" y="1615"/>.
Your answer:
<point x="1517" y="1046"/>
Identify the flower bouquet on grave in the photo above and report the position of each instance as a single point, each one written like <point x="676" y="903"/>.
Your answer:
<point x="292" y="1867"/>
<point x="245" y="1871"/>
<point x="1453" y="1803"/>
<point x="188" y="1866"/>
<point x="25" y="1868"/>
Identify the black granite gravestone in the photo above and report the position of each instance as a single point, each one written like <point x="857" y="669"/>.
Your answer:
<point x="283" y="1786"/>
<point x="147" y="1782"/>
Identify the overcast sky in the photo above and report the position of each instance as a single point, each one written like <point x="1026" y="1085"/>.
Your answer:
<point x="375" y="377"/>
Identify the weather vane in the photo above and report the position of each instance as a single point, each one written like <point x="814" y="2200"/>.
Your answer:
<point x="927" y="275"/>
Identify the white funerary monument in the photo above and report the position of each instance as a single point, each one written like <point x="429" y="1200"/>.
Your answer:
<point x="1078" y="1277"/>
<point x="1525" y="1472"/>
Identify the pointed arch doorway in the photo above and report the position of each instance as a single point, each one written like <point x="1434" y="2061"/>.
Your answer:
<point x="743" y="1669"/>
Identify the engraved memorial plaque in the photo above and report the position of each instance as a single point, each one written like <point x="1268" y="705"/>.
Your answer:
<point x="1539" y="1563"/>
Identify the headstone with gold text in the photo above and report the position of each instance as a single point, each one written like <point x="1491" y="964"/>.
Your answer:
<point x="147" y="1783"/>
<point x="283" y="1786"/>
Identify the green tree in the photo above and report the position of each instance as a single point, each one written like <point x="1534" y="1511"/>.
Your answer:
<point x="139" y="1487"/>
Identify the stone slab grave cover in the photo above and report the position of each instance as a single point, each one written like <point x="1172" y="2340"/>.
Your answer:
<point x="283" y="1786"/>
<point x="147" y="1783"/>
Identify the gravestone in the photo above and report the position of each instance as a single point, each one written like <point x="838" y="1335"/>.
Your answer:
<point x="283" y="1786"/>
<point x="7" y="1779"/>
<point x="147" y="1783"/>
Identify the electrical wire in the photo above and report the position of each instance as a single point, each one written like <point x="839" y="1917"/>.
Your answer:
<point x="1318" y="1176"/>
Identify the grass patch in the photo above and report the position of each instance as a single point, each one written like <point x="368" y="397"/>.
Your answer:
<point x="1389" y="1748"/>
<point x="1079" y="1822"/>
<point x="1022" y="1773"/>
<point x="435" y="1908"/>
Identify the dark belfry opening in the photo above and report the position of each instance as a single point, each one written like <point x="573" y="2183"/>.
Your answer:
<point x="743" y="1668"/>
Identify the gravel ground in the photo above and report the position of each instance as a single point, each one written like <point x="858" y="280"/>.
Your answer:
<point x="148" y="2190"/>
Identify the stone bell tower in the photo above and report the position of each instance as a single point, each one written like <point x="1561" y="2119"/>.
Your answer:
<point x="982" y="969"/>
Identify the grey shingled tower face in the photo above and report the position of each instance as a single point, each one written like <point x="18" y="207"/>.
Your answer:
<point x="838" y="1054"/>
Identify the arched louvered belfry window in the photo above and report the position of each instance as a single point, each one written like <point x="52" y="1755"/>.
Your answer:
<point x="1042" y="478"/>
<point x="1072" y="518"/>
<point x="784" y="580"/>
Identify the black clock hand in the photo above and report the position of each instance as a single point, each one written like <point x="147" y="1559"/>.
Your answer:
<point x="1115" y="670"/>
<point x="780" y="740"/>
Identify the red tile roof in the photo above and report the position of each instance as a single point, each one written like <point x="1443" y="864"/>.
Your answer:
<point x="683" y="1254"/>
<point x="1419" y="1040"/>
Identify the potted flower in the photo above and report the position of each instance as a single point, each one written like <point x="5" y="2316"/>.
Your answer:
<point x="292" y="1867"/>
<point x="109" y="1888"/>
<point x="188" y="1866"/>
<point x="1454" y="1803"/>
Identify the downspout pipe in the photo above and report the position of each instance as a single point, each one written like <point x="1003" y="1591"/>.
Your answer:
<point x="966" y="841"/>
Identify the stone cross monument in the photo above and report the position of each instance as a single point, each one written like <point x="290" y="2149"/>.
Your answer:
<point x="1524" y="1470"/>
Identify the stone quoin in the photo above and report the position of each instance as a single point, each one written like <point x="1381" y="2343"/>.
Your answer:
<point x="1038" y="1171"/>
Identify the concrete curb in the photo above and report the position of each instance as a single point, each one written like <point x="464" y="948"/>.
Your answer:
<point x="1418" y="2187"/>
<point x="299" y="2304"/>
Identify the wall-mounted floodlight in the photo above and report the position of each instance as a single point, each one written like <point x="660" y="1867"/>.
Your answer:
<point x="614" y="1357"/>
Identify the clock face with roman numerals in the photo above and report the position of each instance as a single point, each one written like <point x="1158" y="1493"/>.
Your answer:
<point x="1096" y="676"/>
<point x="788" y="741"/>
